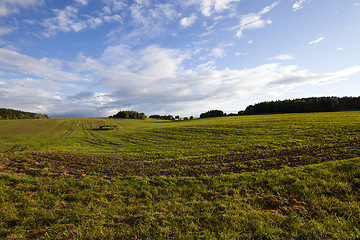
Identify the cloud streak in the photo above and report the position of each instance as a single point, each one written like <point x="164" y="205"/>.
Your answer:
<point x="298" y="5"/>
<point x="282" y="57"/>
<point x="316" y="41"/>
<point x="254" y="20"/>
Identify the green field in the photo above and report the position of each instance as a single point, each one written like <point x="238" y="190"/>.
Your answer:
<point x="280" y="176"/>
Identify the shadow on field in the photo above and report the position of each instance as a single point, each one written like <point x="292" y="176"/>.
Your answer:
<point x="105" y="128"/>
<point x="99" y="129"/>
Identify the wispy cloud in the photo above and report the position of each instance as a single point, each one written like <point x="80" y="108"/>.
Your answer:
<point x="8" y="7"/>
<point x="6" y="30"/>
<point x="69" y="20"/>
<point x="209" y="7"/>
<point x="82" y="2"/>
<point x="254" y="20"/>
<point x="146" y="22"/>
<point x="317" y="79"/>
<point x="316" y="41"/>
<point x="283" y="57"/>
<point x="220" y="50"/>
<point x="298" y="5"/>
<point x="66" y="20"/>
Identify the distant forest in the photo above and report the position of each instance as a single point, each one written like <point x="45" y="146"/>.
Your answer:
<point x="304" y="105"/>
<point x="16" y="114"/>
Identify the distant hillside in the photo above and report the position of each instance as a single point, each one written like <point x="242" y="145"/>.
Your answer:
<point x="16" y="114"/>
<point x="304" y="105"/>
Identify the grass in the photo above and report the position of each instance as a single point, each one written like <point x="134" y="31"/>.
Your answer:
<point x="291" y="176"/>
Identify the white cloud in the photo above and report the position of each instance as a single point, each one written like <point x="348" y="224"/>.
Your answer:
<point x="146" y="22"/>
<point x="158" y="14"/>
<point x="26" y="65"/>
<point x="113" y="18"/>
<point x="209" y="7"/>
<point x="82" y="2"/>
<point x="152" y="80"/>
<point x="64" y="21"/>
<point x="187" y="22"/>
<point x="37" y="85"/>
<point x="69" y="20"/>
<point x="116" y="5"/>
<point x="318" y="79"/>
<point x="254" y="20"/>
<point x="283" y="57"/>
<point x="8" y="7"/>
<point x="44" y="96"/>
<point x="218" y="52"/>
<point x="317" y="40"/>
<point x="298" y="5"/>
<point x="251" y="41"/>
<point x="33" y="94"/>
<point x="95" y="22"/>
<point x="6" y="30"/>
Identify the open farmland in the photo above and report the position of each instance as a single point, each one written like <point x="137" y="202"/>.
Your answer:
<point x="270" y="177"/>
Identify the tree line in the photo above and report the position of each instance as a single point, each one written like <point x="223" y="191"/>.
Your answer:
<point x="212" y="113"/>
<point x="304" y="105"/>
<point x="16" y="114"/>
<point x="162" y="117"/>
<point x="129" y="115"/>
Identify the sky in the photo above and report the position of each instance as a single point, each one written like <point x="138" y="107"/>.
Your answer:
<point x="93" y="58"/>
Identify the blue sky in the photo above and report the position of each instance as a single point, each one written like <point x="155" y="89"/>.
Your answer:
<point x="92" y="58"/>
